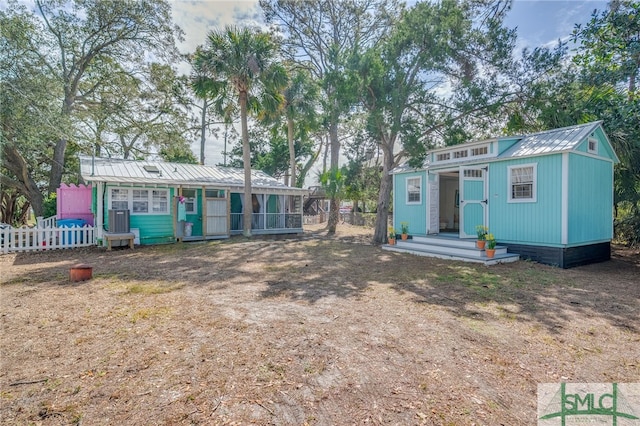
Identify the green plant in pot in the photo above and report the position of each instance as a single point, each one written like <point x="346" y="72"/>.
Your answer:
<point x="491" y="242"/>
<point x="404" y="230"/>
<point x="392" y="236"/>
<point x="491" y="245"/>
<point x="481" y="232"/>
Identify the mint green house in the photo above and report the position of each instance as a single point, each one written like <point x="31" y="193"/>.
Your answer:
<point x="546" y="196"/>
<point x="168" y="202"/>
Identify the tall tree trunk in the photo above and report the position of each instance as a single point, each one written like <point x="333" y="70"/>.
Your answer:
<point x="203" y="128"/>
<point x="334" y="208"/>
<point x="292" y="152"/>
<point x="57" y="165"/>
<point x="57" y="162"/>
<point x="307" y="166"/>
<point x="24" y="184"/>
<point x="246" y="158"/>
<point x="327" y="146"/>
<point x="382" y="217"/>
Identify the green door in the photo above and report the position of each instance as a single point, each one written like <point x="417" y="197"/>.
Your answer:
<point x="473" y="199"/>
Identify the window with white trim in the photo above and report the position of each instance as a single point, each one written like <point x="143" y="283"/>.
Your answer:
<point x="473" y="173"/>
<point x="119" y="199"/>
<point x="592" y="146"/>
<point x="522" y="183"/>
<point x="160" y="200"/>
<point x="443" y="157"/>
<point x="414" y="195"/>
<point x="460" y="154"/>
<point x="142" y="201"/>
<point x="190" y="200"/>
<point x="481" y="150"/>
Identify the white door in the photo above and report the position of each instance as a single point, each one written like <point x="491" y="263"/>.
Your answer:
<point x="216" y="216"/>
<point x="473" y="199"/>
<point x="434" y="203"/>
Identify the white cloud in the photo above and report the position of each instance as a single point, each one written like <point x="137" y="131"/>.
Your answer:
<point x="198" y="17"/>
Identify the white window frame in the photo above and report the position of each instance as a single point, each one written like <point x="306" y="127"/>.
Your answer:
<point x="595" y="145"/>
<point x="123" y="198"/>
<point x="157" y="200"/>
<point x="139" y="198"/>
<point x="443" y="156"/>
<point x="479" y="148"/>
<point x="419" y="192"/>
<point x="534" y="183"/>
<point x="464" y="153"/>
<point x="191" y="203"/>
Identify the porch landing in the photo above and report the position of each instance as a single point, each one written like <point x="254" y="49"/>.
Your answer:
<point x="449" y="247"/>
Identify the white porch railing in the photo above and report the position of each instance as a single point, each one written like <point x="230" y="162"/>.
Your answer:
<point x="46" y="238"/>
<point x="268" y="221"/>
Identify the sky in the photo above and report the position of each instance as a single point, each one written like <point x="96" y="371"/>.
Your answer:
<point x="538" y="22"/>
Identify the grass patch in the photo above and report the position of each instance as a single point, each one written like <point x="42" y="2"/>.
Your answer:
<point x="481" y="282"/>
<point x="146" y="313"/>
<point x="34" y="279"/>
<point x="277" y="268"/>
<point x="534" y="276"/>
<point x="16" y="280"/>
<point x="152" y="288"/>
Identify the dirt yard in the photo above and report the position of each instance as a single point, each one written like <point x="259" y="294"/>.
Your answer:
<point x="309" y="330"/>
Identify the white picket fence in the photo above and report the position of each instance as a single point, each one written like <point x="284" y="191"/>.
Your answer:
<point x="46" y="236"/>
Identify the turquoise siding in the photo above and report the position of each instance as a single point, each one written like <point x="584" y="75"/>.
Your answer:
<point x="504" y="144"/>
<point x="154" y="229"/>
<point x="604" y="149"/>
<point x="536" y="222"/>
<point x="414" y="214"/>
<point x="590" y="199"/>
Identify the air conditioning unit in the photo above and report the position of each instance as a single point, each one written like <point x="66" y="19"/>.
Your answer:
<point x="119" y="221"/>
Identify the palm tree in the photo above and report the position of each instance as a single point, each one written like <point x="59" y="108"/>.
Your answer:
<point x="242" y="62"/>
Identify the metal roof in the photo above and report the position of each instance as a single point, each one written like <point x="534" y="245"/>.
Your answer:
<point x="549" y="141"/>
<point x="143" y="172"/>
<point x="556" y="140"/>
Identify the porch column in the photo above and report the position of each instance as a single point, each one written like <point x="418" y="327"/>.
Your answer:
<point x="99" y="222"/>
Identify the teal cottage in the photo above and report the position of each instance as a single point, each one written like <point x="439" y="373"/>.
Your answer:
<point x="546" y="196"/>
<point x="158" y="202"/>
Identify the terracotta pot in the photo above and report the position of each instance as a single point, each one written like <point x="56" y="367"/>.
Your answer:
<point x="392" y="241"/>
<point x="480" y="244"/>
<point x="404" y="236"/>
<point x="491" y="253"/>
<point x="80" y="272"/>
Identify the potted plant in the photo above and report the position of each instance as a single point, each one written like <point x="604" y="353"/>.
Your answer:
<point x="481" y="231"/>
<point x="392" y="236"/>
<point x="491" y="245"/>
<point x="404" y="230"/>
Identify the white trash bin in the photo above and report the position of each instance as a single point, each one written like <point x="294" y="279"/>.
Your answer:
<point x="188" y="229"/>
